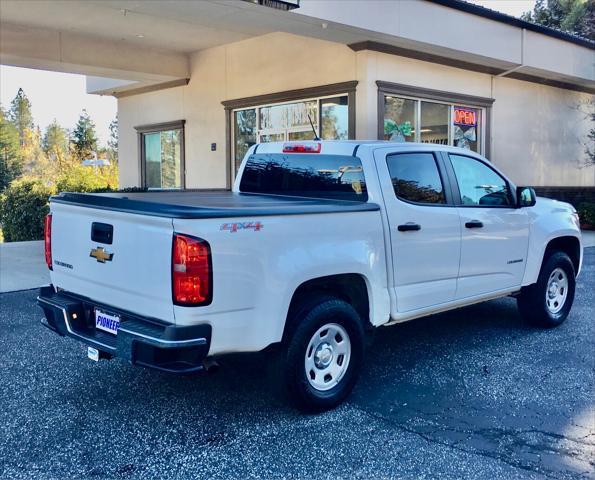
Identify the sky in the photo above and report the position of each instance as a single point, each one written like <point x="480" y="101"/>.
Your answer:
<point x="62" y="96"/>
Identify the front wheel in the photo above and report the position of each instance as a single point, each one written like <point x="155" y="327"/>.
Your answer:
<point x="324" y="354"/>
<point x="547" y="303"/>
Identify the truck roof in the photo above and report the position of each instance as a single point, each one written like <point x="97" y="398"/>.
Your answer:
<point x="350" y="147"/>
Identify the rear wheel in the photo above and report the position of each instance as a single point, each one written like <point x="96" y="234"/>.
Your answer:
<point x="547" y="303"/>
<point x="325" y="350"/>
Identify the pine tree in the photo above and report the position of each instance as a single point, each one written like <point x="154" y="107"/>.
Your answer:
<point x="11" y="163"/>
<point x="572" y="16"/>
<point x="55" y="141"/>
<point x="20" y="115"/>
<point x="84" y="138"/>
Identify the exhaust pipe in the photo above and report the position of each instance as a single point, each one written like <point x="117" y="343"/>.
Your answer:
<point x="210" y="365"/>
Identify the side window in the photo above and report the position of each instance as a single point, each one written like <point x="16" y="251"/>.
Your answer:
<point x="415" y="177"/>
<point x="479" y="184"/>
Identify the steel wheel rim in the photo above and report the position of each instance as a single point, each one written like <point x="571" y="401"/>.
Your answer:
<point x="327" y="356"/>
<point x="556" y="291"/>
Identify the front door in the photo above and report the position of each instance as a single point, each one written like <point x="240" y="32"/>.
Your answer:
<point x="495" y="234"/>
<point x="425" y="230"/>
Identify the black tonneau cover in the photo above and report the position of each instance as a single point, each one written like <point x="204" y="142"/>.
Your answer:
<point x="210" y="204"/>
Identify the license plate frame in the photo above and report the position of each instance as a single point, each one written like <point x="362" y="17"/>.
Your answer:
<point x="107" y="322"/>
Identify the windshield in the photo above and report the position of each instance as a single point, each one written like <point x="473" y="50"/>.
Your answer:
<point x="338" y="177"/>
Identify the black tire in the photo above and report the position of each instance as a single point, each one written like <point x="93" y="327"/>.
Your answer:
<point x="304" y="323"/>
<point x="532" y="302"/>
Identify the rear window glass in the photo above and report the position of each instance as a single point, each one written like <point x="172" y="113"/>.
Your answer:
<point x="305" y="175"/>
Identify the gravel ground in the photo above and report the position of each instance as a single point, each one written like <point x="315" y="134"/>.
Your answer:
<point x="472" y="393"/>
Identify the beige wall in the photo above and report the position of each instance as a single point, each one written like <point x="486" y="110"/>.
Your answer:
<point x="267" y="64"/>
<point x="538" y="124"/>
<point x="539" y="133"/>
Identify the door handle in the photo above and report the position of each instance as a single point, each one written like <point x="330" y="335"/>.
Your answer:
<point x="474" y="224"/>
<point x="409" y="227"/>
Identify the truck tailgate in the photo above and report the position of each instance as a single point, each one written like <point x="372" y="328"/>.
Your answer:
<point x="136" y="278"/>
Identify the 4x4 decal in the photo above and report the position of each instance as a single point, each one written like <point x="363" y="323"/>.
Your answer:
<point x="234" y="227"/>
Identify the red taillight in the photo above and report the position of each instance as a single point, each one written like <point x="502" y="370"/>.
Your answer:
<point x="192" y="282"/>
<point x="47" y="237"/>
<point x="312" y="147"/>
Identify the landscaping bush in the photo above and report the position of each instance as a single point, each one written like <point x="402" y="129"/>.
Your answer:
<point x="80" y="178"/>
<point x="23" y="207"/>
<point x="586" y="213"/>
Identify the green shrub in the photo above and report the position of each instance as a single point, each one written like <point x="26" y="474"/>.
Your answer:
<point x="23" y="207"/>
<point x="80" y="178"/>
<point x="586" y="213"/>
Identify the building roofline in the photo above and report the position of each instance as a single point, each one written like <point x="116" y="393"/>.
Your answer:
<point x="478" y="10"/>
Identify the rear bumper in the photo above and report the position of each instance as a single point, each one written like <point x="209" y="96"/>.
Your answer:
<point x="142" y="341"/>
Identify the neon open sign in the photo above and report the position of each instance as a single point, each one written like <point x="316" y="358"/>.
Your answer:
<point x="465" y="117"/>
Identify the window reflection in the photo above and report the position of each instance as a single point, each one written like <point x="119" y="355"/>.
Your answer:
<point x="290" y="121"/>
<point x="434" y="123"/>
<point x="478" y="184"/>
<point x="399" y="119"/>
<point x="324" y="176"/>
<point x="466" y="125"/>
<point x="162" y="158"/>
<point x="415" y="177"/>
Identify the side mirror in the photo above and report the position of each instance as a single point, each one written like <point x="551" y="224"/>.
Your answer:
<point x="525" y="197"/>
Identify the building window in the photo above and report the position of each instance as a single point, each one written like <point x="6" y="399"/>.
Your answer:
<point x="290" y="121"/>
<point x="161" y="149"/>
<point x="410" y="114"/>
<point x="287" y="116"/>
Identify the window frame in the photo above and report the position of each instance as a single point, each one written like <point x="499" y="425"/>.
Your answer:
<point x="484" y="105"/>
<point x="289" y="96"/>
<point x="442" y="172"/>
<point x="455" y="183"/>
<point x="143" y="130"/>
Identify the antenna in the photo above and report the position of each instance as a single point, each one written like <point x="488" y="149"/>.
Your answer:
<point x="316" y="137"/>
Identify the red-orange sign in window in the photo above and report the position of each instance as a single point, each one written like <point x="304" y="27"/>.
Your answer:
<point x="465" y="117"/>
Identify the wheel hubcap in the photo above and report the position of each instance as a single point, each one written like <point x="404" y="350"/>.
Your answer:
<point x="327" y="356"/>
<point x="557" y="290"/>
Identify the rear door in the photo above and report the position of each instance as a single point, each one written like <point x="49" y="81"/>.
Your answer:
<point x="495" y="234"/>
<point x="129" y="268"/>
<point x="425" y="230"/>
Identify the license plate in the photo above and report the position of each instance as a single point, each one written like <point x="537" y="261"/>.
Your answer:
<point x="107" y="322"/>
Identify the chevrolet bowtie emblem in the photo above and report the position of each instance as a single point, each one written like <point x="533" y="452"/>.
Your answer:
<point x="101" y="255"/>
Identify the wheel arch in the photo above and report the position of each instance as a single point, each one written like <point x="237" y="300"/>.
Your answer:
<point x="351" y="287"/>
<point x="568" y="244"/>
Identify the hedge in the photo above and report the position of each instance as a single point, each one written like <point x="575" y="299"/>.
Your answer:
<point x="586" y="213"/>
<point x="23" y="207"/>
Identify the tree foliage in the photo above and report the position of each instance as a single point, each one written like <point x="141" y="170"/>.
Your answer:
<point x="112" y="142"/>
<point x="23" y="206"/>
<point x="34" y="165"/>
<point x="20" y="114"/>
<point x="84" y="137"/>
<point x="572" y="16"/>
<point x="11" y="164"/>
<point x="590" y="143"/>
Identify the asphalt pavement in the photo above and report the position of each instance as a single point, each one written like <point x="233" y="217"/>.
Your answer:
<point x="472" y="393"/>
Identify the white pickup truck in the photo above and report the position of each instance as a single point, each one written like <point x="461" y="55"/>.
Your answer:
<point x="317" y="244"/>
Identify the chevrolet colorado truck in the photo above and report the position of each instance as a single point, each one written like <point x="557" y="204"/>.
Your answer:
<point x="317" y="245"/>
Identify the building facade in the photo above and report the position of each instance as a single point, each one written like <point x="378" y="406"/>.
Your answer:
<point x="221" y="76"/>
<point x="534" y="132"/>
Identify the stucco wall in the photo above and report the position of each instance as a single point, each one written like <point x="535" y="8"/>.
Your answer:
<point x="539" y="134"/>
<point x="267" y="64"/>
<point x="535" y="130"/>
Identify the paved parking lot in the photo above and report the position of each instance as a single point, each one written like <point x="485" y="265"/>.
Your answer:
<point x="472" y="393"/>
